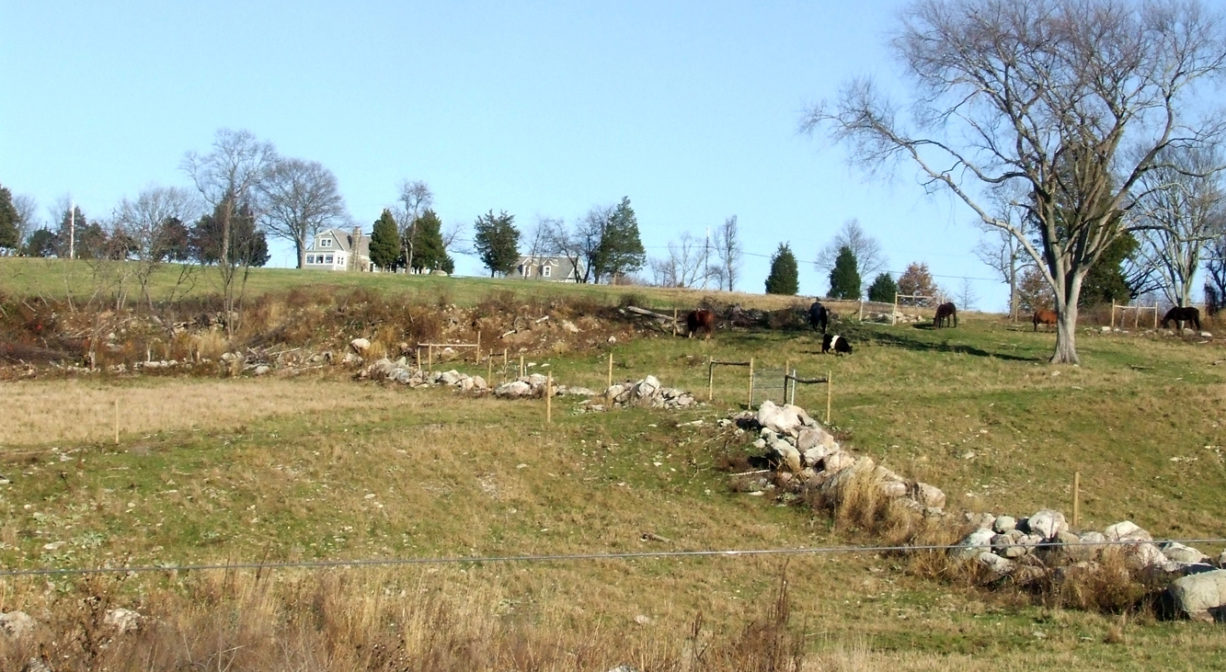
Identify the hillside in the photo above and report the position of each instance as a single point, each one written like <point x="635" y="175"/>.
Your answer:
<point x="409" y="503"/>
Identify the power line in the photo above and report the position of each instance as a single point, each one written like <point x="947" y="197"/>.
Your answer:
<point x="559" y="557"/>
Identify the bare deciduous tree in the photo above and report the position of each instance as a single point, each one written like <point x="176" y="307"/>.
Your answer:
<point x="27" y="217"/>
<point x="1045" y="94"/>
<point x="144" y="223"/>
<point x="228" y="178"/>
<point x="1183" y="201"/>
<point x="728" y="251"/>
<point x="301" y="198"/>
<point x="685" y="264"/>
<point x="865" y="248"/>
<point x="415" y="198"/>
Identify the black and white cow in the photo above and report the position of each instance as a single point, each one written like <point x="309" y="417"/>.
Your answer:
<point x="836" y="344"/>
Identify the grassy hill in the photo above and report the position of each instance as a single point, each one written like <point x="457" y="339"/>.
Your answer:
<point x="483" y="537"/>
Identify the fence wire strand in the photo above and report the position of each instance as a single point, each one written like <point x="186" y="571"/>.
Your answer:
<point x="557" y="557"/>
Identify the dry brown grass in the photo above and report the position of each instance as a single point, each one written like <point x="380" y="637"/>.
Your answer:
<point x="83" y="410"/>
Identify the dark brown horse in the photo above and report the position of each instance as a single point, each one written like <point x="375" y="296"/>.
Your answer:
<point x="1181" y="315"/>
<point x="699" y="320"/>
<point x="947" y="314"/>
<point x="818" y="316"/>
<point x="1044" y="316"/>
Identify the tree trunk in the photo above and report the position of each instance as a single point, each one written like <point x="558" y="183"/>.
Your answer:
<point x="301" y="249"/>
<point x="1066" y="337"/>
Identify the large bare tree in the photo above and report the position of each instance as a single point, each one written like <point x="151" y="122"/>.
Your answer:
<point x="300" y="199"/>
<point x="685" y="264"/>
<point x="1073" y="100"/>
<point x="865" y="248"/>
<point x="415" y="198"/>
<point x="228" y="178"/>
<point x="1183" y="201"/>
<point x="145" y="223"/>
<point x="728" y="252"/>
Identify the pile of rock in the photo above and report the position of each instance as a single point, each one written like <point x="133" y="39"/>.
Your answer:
<point x="647" y="392"/>
<point x="1026" y="549"/>
<point x="400" y="371"/>
<point x="802" y="454"/>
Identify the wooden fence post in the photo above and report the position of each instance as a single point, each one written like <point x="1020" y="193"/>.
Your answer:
<point x="609" y="378"/>
<point x="710" y="378"/>
<point x="549" y="398"/>
<point x="1076" y="498"/>
<point x="829" y="395"/>
<point x="750" y="406"/>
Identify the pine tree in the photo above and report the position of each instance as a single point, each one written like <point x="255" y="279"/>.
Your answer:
<point x="620" y="251"/>
<point x="385" y="241"/>
<point x="883" y="289"/>
<point x="784" y="276"/>
<point x="429" y="251"/>
<point x="497" y="242"/>
<point x="844" y="278"/>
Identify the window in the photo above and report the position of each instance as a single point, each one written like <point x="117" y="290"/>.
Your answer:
<point x="310" y="259"/>
<point x="340" y="259"/>
<point x="325" y="242"/>
<point x="546" y="270"/>
<point x="328" y="259"/>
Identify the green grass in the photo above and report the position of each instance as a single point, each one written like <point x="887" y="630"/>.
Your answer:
<point x="278" y="473"/>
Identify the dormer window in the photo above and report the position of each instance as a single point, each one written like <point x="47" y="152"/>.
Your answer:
<point x="325" y="242"/>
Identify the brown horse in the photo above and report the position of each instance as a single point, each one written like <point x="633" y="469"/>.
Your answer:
<point x="1181" y="315"/>
<point x="945" y="313"/>
<point x="1043" y="316"/>
<point x="699" y="320"/>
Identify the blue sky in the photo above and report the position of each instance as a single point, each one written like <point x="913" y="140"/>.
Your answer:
<point x="691" y="109"/>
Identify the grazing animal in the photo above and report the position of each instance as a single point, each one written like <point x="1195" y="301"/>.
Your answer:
<point x="699" y="320"/>
<point x="945" y="313"/>
<point x="818" y="316"/>
<point x="1043" y="316"/>
<point x="836" y="344"/>
<point x="1181" y="315"/>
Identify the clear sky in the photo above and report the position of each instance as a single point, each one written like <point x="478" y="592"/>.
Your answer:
<point x="542" y="109"/>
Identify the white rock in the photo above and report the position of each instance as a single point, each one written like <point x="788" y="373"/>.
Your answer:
<point x="1047" y="523"/>
<point x="1003" y="524"/>
<point x="1186" y="554"/>
<point x="16" y="624"/>
<point x="123" y="620"/>
<point x="360" y="345"/>
<point x="1126" y="531"/>
<point x="1196" y="594"/>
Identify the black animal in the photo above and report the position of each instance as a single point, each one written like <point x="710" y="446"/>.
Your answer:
<point x="699" y="320"/>
<point x="945" y="313"/>
<point x="818" y="316"/>
<point x="1181" y="315"/>
<point x="836" y="344"/>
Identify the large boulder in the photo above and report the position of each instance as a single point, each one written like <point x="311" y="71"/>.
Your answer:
<point x="1201" y="597"/>
<point x="787" y="419"/>
<point x="1047" y="523"/>
<point x="1126" y="531"/>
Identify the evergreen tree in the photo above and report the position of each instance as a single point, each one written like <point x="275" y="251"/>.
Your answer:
<point x="8" y="220"/>
<point x="784" y="277"/>
<point x="497" y="242"/>
<point x="883" y="289"/>
<point x="1105" y="280"/>
<point x="385" y="241"/>
<point x="429" y="254"/>
<point x="620" y="251"/>
<point x="42" y="243"/>
<point x="248" y="245"/>
<point x="844" y="278"/>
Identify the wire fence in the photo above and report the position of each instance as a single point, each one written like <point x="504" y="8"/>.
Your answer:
<point x="558" y="557"/>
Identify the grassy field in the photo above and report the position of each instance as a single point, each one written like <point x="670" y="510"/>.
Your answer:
<point x="318" y="468"/>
